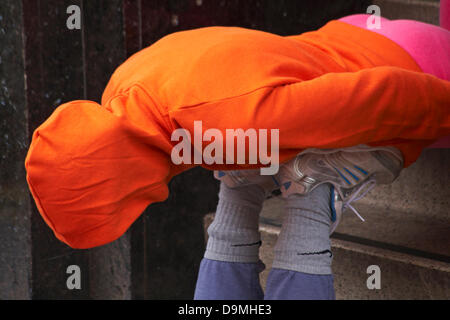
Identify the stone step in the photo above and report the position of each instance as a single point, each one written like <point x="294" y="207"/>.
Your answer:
<point x="422" y="190"/>
<point x="403" y="275"/>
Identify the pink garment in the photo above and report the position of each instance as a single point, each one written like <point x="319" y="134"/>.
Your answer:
<point x="427" y="44"/>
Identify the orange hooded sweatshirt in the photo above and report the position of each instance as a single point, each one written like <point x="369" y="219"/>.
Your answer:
<point x="92" y="169"/>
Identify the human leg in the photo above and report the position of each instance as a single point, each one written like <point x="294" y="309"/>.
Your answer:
<point x="318" y="185"/>
<point x="302" y="266"/>
<point x="222" y="280"/>
<point x="231" y="266"/>
<point x="302" y="257"/>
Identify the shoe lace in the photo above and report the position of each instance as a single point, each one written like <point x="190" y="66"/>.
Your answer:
<point x="358" y="194"/>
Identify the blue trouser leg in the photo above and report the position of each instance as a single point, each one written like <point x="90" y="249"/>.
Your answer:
<point x="220" y="280"/>
<point x="292" y="285"/>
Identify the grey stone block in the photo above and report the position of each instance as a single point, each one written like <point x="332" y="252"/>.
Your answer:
<point x="386" y="227"/>
<point x="110" y="270"/>
<point x="402" y="276"/>
<point x="422" y="190"/>
<point x="425" y="11"/>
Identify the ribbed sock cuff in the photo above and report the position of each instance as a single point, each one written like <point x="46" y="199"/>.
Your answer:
<point x="234" y="234"/>
<point x="304" y="243"/>
<point x="291" y="261"/>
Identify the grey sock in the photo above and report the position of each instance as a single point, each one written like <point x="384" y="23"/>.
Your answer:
<point x="304" y="243"/>
<point x="234" y="234"/>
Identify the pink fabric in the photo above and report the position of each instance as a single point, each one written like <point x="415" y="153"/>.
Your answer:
<point x="427" y="44"/>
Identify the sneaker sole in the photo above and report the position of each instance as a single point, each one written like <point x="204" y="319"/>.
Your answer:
<point x="380" y="178"/>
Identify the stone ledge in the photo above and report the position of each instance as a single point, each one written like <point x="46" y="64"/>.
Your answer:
<point x="403" y="276"/>
<point x="425" y="11"/>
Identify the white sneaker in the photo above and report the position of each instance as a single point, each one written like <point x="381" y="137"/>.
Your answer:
<point x="352" y="172"/>
<point x="345" y="168"/>
<point x="238" y="178"/>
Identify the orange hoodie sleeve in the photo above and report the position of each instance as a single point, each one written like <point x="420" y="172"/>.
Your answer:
<point x="373" y="106"/>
